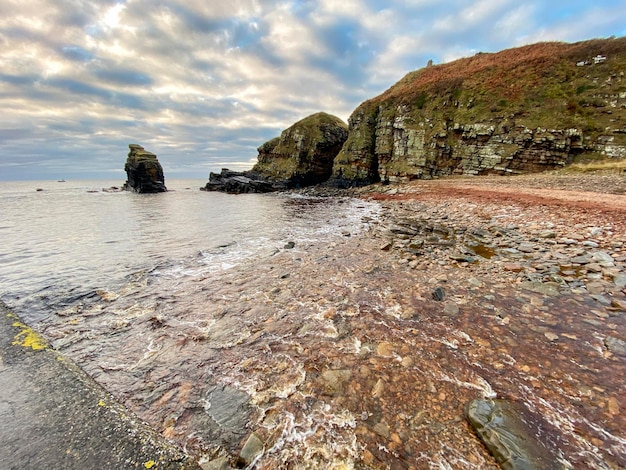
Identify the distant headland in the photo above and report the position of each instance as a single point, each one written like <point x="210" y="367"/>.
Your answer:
<point x="522" y="110"/>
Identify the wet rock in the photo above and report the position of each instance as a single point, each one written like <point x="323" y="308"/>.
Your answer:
<point x="439" y="294"/>
<point x="513" y="267"/>
<point x="620" y="280"/>
<point x="590" y="244"/>
<point x="220" y="463"/>
<point x="547" y="234"/>
<point x="618" y="304"/>
<point x="382" y="430"/>
<point x="594" y="268"/>
<point x="407" y="362"/>
<point x="595" y="287"/>
<point x="334" y="380"/>
<point x="503" y="429"/>
<point x="378" y="389"/>
<point x="237" y="182"/>
<point x="551" y="336"/>
<point x="384" y="349"/>
<point x="463" y="258"/>
<point x="143" y="171"/>
<point x="613" y="406"/>
<point x="450" y="309"/>
<point x="252" y="449"/>
<point x="228" y="407"/>
<point x="603" y="299"/>
<point x="541" y="287"/>
<point x="526" y="248"/>
<point x="615" y="345"/>
<point x="603" y="259"/>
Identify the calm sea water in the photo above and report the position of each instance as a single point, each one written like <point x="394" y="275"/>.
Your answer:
<point x="61" y="241"/>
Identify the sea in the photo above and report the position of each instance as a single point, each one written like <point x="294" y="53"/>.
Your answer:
<point x="217" y="317"/>
<point x="62" y="241"/>
<point x="137" y="289"/>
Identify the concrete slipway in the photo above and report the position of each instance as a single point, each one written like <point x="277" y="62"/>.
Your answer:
<point x="53" y="416"/>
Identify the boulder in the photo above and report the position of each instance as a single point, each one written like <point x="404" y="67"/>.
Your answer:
<point x="143" y="171"/>
<point x="302" y="156"/>
<point x="504" y="428"/>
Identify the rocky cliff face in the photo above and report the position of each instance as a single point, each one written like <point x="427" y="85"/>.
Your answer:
<point x="303" y="155"/>
<point x="521" y="110"/>
<point x="144" y="172"/>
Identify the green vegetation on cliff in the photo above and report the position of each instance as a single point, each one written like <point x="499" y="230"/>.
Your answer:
<point x="304" y="153"/>
<point x="524" y="109"/>
<point x="550" y="85"/>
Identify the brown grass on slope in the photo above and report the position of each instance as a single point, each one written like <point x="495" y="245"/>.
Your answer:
<point x="507" y="70"/>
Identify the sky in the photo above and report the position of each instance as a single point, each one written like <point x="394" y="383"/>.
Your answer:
<point x="203" y="83"/>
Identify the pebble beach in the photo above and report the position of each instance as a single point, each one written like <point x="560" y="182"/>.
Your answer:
<point x="365" y="352"/>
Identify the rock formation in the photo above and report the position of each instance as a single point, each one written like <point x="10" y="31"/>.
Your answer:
<point x="303" y="155"/>
<point x="505" y="430"/>
<point x="521" y="110"/>
<point x="144" y="172"/>
<point x="237" y="182"/>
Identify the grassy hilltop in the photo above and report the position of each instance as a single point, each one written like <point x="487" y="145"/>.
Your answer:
<point x="524" y="109"/>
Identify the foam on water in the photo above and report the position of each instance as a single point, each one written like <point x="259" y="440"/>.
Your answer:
<point x="69" y="240"/>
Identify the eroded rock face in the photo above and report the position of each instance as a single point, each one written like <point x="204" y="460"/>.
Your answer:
<point x="144" y="172"/>
<point x="302" y="156"/>
<point x="391" y="150"/>
<point x="502" y="113"/>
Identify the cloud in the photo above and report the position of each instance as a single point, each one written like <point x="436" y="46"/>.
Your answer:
<point x="203" y="84"/>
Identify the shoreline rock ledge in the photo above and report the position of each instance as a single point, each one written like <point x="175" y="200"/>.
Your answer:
<point x="143" y="171"/>
<point x="505" y="430"/>
<point x="302" y="156"/>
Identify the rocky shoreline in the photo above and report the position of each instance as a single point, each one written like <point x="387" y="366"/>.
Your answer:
<point x="367" y="352"/>
<point x="538" y="259"/>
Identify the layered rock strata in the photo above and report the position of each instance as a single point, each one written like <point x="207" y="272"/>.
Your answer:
<point x="238" y="182"/>
<point x="302" y="156"/>
<point x="144" y="172"/>
<point x="521" y="110"/>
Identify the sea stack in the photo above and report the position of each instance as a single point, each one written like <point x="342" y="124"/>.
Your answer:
<point x="143" y="171"/>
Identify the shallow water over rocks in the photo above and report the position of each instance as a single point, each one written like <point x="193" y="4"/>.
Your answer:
<point x="338" y="355"/>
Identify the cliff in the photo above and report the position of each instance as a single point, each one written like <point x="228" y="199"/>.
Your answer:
<point x="521" y="110"/>
<point x="144" y="172"/>
<point x="303" y="155"/>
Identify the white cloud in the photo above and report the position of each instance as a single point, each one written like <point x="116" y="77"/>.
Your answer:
<point x="206" y="83"/>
